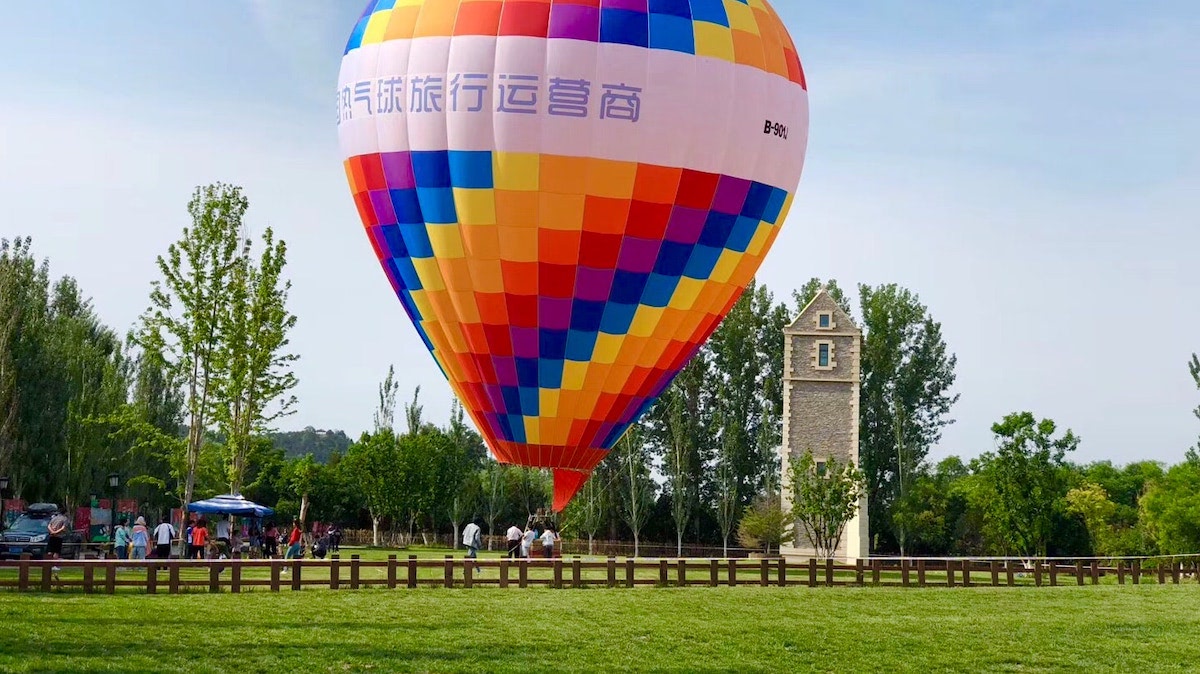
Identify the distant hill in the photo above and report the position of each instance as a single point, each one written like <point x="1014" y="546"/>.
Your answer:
<point x="320" y="443"/>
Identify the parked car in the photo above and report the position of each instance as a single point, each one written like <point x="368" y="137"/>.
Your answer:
<point x="31" y="531"/>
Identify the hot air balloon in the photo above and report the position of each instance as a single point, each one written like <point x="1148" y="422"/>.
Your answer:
<point x="568" y="195"/>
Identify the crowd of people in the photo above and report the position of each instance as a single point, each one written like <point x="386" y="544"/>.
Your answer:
<point x="520" y="542"/>
<point x="219" y="539"/>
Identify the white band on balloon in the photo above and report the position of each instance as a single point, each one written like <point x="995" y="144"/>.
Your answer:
<point x="610" y="101"/>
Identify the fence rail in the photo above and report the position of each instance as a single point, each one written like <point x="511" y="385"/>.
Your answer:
<point x="569" y="546"/>
<point x="240" y="575"/>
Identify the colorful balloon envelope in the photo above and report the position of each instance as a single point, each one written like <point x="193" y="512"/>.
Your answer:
<point x="568" y="195"/>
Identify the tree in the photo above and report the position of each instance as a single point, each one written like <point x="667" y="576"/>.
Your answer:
<point x="765" y="524"/>
<point x="255" y="374"/>
<point x="493" y="486"/>
<point x="904" y="398"/>
<point x="1170" y="510"/>
<point x="809" y="290"/>
<point x="637" y="489"/>
<point x="302" y="478"/>
<point x="1090" y="502"/>
<point x="728" y="499"/>
<point x="824" y="500"/>
<point x="190" y="302"/>
<point x="385" y="414"/>
<point x="373" y="464"/>
<point x="1025" y="482"/>
<point x="1194" y="368"/>
<point x="412" y="413"/>
<point x="587" y="511"/>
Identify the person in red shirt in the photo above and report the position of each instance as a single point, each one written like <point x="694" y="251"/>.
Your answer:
<point x="293" y="550"/>
<point x="200" y="537"/>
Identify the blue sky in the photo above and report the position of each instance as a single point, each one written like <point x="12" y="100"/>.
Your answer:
<point x="1029" y="168"/>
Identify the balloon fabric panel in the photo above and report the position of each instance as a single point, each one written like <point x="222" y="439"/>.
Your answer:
<point x="561" y="262"/>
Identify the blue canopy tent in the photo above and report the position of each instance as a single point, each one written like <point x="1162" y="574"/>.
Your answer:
<point x="230" y="504"/>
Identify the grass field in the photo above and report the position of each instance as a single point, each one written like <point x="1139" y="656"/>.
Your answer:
<point x="1149" y="628"/>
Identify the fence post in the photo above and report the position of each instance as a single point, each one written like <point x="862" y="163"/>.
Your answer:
<point x="23" y="574"/>
<point x="275" y="569"/>
<point x="812" y="572"/>
<point x="949" y="573"/>
<point x="876" y="571"/>
<point x="335" y="572"/>
<point x="714" y="572"/>
<point x="412" y="572"/>
<point x="1095" y="572"/>
<point x="391" y="572"/>
<point x="173" y="579"/>
<point x="905" y="569"/>
<point x="235" y="577"/>
<point x="523" y="573"/>
<point x="662" y="572"/>
<point x="628" y="572"/>
<point x="921" y="572"/>
<point x="995" y="566"/>
<point x="966" y="572"/>
<point x="732" y="565"/>
<point x="214" y="578"/>
<point x="1079" y="572"/>
<point x="1162" y="573"/>
<point x="152" y="579"/>
<point x="781" y="571"/>
<point x="504" y="562"/>
<point x="87" y="579"/>
<point x="468" y="573"/>
<point x="577" y="572"/>
<point x="1053" y="573"/>
<point x="764" y="572"/>
<point x="1136" y="571"/>
<point x="354" y="562"/>
<point x="1008" y="572"/>
<point x="448" y="571"/>
<point x="558" y="566"/>
<point x="1120" y="572"/>
<point x="612" y="571"/>
<point x="858" y="571"/>
<point x="681" y="569"/>
<point x="1175" y="571"/>
<point x="829" y="572"/>
<point x="1037" y="572"/>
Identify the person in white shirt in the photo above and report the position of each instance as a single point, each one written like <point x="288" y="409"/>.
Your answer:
<point x="527" y="541"/>
<point x="548" y="539"/>
<point x="514" y="541"/>
<point x="224" y="533"/>
<point x="163" y="535"/>
<point x="472" y="538"/>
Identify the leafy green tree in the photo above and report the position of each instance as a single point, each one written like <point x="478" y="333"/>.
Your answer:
<point x="188" y="306"/>
<point x="412" y="412"/>
<point x="385" y="415"/>
<point x="727" y="489"/>
<point x="302" y="476"/>
<point x="809" y="290"/>
<point x="637" y="488"/>
<point x="587" y="512"/>
<point x="907" y="373"/>
<point x="1090" y="502"/>
<point x="1025" y="482"/>
<point x="1194" y="368"/>
<point x="824" y="500"/>
<point x="1170" y="509"/>
<point x="255" y="368"/>
<point x="765" y="524"/>
<point x="493" y="486"/>
<point x="374" y="466"/>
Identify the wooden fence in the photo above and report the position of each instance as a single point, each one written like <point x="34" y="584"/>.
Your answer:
<point x="240" y="575"/>
<point x="568" y="546"/>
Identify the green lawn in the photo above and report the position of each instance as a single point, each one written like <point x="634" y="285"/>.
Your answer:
<point x="1148" y="628"/>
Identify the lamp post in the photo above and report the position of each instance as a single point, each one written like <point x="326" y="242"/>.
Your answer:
<point x="114" y="483"/>
<point x="3" y="489"/>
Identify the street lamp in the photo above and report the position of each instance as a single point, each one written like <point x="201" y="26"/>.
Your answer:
<point x="3" y="488"/>
<point x="114" y="483"/>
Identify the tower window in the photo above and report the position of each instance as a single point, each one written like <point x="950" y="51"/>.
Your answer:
<point x="822" y="355"/>
<point x="821" y="468"/>
<point x="825" y="320"/>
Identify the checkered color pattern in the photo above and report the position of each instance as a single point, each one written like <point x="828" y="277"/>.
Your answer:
<point x="747" y="32"/>
<point x="560" y="295"/>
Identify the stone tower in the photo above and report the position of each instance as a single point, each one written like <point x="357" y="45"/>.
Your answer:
<point x="822" y="371"/>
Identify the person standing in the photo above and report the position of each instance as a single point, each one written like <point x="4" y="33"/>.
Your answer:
<point x="121" y="539"/>
<point x="140" y="536"/>
<point x="549" y="537"/>
<point x="164" y="533"/>
<point x="56" y="530"/>
<point x="224" y="535"/>
<point x="200" y="538"/>
<point x="514" y="541"/>
<point x="527" y="541"/>
<point x="473" y="539"/>
<point x="293" y="542"/>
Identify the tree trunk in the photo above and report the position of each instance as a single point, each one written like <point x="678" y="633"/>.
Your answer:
<point x="454" y="541"/>
<point x="679" y="543"/>
<point x="590" y="540"/>
<point x="635" y="544"/>
<point x="725" y="546"/>
<point x="374" y="530"/>
<point x="303" y="509"/>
